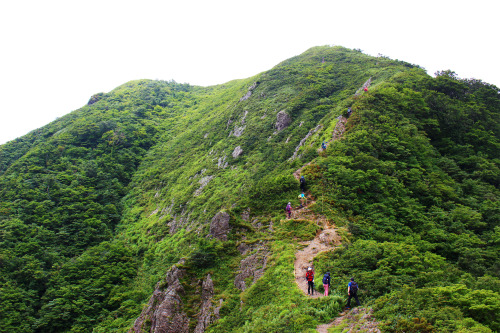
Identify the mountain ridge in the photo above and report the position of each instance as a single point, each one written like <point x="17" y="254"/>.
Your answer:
<point x="99" y="205"/>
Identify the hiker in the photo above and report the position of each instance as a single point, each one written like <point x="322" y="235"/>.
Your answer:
<point x="289" y="210"/>
<point x="310" y="281"/>
<point x="326" y="282"/>
<point x="302" y="198"/>
<point x="302" y="184"/>
<point x="352" y="290"/>
<point x="323" y="145"/>
<point x="349" y="111"/>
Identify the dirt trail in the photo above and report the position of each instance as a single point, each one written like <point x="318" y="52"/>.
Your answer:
<point x="325" y="240"/>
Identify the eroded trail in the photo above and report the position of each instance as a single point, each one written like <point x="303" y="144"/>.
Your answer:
<point x="326" y="240"/>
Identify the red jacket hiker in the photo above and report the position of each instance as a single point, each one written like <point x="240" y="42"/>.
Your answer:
<point x="310" y="281"/>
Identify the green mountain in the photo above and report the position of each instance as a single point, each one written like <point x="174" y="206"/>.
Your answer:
<point x="160" y="207"/>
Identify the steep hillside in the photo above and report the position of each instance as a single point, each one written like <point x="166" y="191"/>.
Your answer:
<point x="160" y="206"/>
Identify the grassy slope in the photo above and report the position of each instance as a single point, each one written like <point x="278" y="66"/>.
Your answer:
<point x="393" y="181"/>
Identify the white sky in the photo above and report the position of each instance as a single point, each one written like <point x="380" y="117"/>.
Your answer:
<point x="55" y="54"/>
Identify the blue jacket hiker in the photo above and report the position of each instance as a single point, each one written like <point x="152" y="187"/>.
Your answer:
<point x="352" y="290"/>
<point x="326" y="282"/>
<point x="302" y="184"/>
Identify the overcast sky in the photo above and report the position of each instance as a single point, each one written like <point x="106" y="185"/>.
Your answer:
<point x="55" y="54"/>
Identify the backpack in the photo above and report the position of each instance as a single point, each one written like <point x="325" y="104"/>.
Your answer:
<point x="326" y="279"/>
<point x="354" y="288"/>
<point x="288" y="208"/>
<point x="310" y="276"/>
<point x="302" y="180"/>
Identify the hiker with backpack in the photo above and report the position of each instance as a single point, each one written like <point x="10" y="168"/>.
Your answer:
<point x="349" y="111"/>
<point x="326" y="282"/>
<point x="310" y="281"/>
<point x="352" y="290"/>
<point x="302" y="184"/>
<point x="288" y="210"/>
<point x="302" y="198"/>
<point x="323" y="145"/>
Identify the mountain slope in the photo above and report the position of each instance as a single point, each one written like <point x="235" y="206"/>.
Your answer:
<point x="98" y="206"/>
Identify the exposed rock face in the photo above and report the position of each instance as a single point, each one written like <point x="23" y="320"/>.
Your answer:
<point x="237" y="151"/>
<point x="221" y="162"/>
<point x="243" y="248"/>
<point x="252" y="266"/>
<point x="164" y="310"/>
<point x="205" y="316"/>
<point x="219" y="227"/>
<point x="249" y="93"/>
<point x="246" y="215"/>
<point x="204" y="182"/>
<point x="311" y="132"/>
<point x="283" y="120"/>
<point x="238" y="131"/>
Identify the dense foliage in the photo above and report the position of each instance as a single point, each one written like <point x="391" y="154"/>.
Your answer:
<point x="97" y="206"/>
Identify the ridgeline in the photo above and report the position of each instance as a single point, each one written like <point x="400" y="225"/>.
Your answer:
<point x="159" y="206"/>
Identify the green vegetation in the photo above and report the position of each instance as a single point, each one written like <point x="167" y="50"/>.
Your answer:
<point x="97" y="206"/>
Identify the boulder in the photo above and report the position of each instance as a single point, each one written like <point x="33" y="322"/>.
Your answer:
<point x="237" y="151"/>
<point x="238" y="131"/>
<point x="283" y="120"/>
<point x="219" y="227"/>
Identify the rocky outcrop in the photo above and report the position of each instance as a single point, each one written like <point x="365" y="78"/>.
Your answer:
<point x="164" y="314"/>
<point x="311" y="132"/>
<point x="283" y="120"/>
<point x="237" y="151"/>
<point x="238" y="131"/>
<point x="205" y="317"/>
<point x="252" y="266"/>
<point x="219" y="227"/>
<point x="221" y="162"/>
<point x="249" y="93"/>
<point x="203" y="182"/>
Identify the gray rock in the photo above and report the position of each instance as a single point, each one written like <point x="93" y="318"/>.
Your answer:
<point x="205" y="316"/>
<point x="283" y="120"/>
<point x="238" y="131"/>
<point x="219" y="227"/>
<point x="252" y="266"/>
<point x="247" y="96"/>
<point x="243" y="248"/>
<point x="221" y="162"/>
<point x="164" y="310"/>
<point x="249" y="93"/>
<point x="311" y="132"/>
<point x="204" y="182"/>
<point x="237" y="151"/>
<point x="246" y="215"/>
